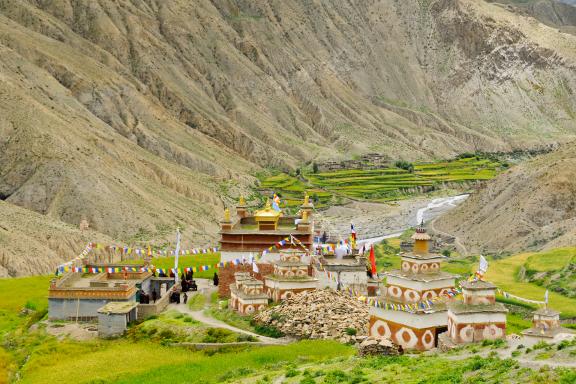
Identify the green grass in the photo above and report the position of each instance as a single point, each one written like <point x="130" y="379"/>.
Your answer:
<point x="124" y="362"/>
<point x="185" y="261"/>
<point x="504" y="273"/>
<point x="516" y="323"/>
<point x="31" y="292"/>
<point x="197" y="302"/>
<point x="551" y="260"/>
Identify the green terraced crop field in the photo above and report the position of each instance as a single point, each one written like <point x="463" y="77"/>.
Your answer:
<point x="379" y="184"/>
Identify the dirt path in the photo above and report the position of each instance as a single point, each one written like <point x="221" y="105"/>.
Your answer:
<point x="462" y="250"/>
<point x="203" y="318"/>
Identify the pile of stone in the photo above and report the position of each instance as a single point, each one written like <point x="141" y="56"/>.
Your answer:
<point x="320" y="314"/>
<point x="378" y="346"/>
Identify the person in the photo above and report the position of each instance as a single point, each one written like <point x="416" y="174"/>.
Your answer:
<point x="324" y="237"/>
<point x="215" y="279"/>
<point x="154" y="295"/>
<point x="184" y="284"/>
<point x="185" y="298"/>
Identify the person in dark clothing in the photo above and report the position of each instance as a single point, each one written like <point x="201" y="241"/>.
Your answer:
<point x="185" y="298"/>
<point x="184" y="284"/>
<point x="189" y="275"/>
<point x="324" y="238"/>
<point x="215" y="279"/>
<point x="154" y="296"/>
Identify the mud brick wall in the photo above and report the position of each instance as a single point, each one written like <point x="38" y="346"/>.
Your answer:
<point x="226" y="275"/>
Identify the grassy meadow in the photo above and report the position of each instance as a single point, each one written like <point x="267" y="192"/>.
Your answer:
<point x="377" y="185"/>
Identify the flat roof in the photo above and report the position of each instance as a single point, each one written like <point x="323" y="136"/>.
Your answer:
<point x="118" y="307"/>
<point x="461" y="308"/>
<point x="424" y="277"/>
<point x="551" y="332"/>
<point x="477" y="285"/>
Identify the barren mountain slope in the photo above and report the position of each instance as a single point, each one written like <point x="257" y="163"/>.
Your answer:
<point x="532" y="205"/>
<point x="140" y="115"/>
<point x="31" y="243"/>
<point x="554" y="13"/>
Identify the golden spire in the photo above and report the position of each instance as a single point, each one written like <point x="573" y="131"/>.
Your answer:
<point x="268" y="206"/>
<point x="306" y="198"/>
<point x="226" y="214"/>
<point x="305" y="216"/>
<point x="241" y="201"/>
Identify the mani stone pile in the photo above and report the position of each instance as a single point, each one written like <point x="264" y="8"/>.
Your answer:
<point x="319" y="314"/>
<point x="377" y="346"/>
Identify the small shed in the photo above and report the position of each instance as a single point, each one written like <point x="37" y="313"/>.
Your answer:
<point x="114" y="317"/>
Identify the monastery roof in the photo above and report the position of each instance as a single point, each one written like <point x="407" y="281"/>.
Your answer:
<point x="461" y="308"/>
<point x="424" y="277"/>
<point x="118" y="307"/>
<point x="546" y="312"/>
<point x="421" y="236"/>
<point x="477" y="285"/>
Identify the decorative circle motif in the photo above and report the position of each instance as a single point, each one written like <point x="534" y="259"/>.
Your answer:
<point x="492" y="332"/>
<point x="405" y="266"/>
<point x="467" y="333"/>
<point x="249" y="309"/>
<point x="261" y="307"/>
<point x="380" y="328"/>
<point x="289" y="273"/>
<point x="424" y="268"/>
<point x="434" y="266"/>
<point x="287" y="295"/>
<point x="394" y="291"/>
<point x="301" y="272"/>
<point x="428" y="339"/>
<point x="411" y="295"/>
<point x="414" y="268"/>
<point x="406" y="338"/>
<point x="429" y="295"/>
<point x="445" y="291"/>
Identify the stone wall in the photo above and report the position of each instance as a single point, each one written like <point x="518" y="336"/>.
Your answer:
<point x="226" y="275"/>
<point x="147" y="310"/>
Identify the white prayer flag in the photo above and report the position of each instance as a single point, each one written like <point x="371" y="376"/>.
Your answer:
<point x="483" y="265"/>
<point x="546" y="297"/>
<point x="255" y="267"/>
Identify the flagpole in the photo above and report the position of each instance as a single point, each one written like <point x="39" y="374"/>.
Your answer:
<point x="176" y="258"/>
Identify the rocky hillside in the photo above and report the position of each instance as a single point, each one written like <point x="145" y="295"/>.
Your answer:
<point x="143" y="115"/>
<point x="530" y="206"/>
<point x="559" y="14"/>
<point x="31" y="243"/>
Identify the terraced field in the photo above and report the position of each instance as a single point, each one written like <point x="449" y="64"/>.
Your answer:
<point x="378" y="185"/>
<point x="396" y="183"/>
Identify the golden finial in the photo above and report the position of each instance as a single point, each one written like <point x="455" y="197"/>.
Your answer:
<point x="306" y="199"/>
<point x="241" y="201"/>
<point x="268" y="206"/>
<point x="305" y="216"/>
<point x="226" y="214"/>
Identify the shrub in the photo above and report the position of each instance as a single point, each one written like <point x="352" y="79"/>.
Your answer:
<point x="268" y="330"/>
<point x="291" y="372"/>
<point x="351" y="331"/>
<point x="407" y="166"/>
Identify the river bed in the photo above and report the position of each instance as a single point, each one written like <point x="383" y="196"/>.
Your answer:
<point x="376" y="221"/>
